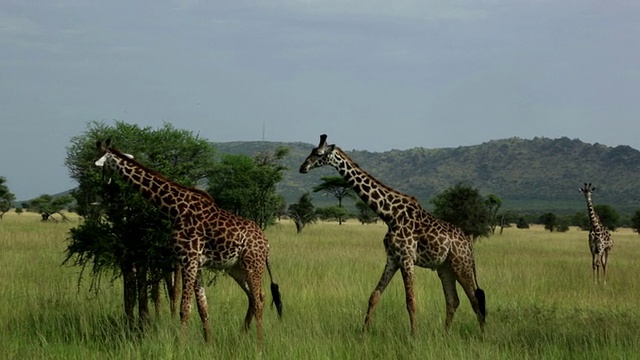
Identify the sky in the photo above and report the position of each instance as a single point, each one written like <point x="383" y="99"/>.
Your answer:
<point x="372" y="74"/>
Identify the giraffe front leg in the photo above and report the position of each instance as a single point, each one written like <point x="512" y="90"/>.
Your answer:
<point x="189" y="273"/>
<point x="603" y="261"/>
<point x="201" y="299"/>
<point x="389" y="270"/>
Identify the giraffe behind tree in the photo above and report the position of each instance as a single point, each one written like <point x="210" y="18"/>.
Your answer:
<point x="414" y="238"/>
<point x="600" y="241"/>
<point x="204" y="235"/>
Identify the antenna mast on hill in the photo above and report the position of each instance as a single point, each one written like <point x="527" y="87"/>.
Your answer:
<point x="263" y="130"/>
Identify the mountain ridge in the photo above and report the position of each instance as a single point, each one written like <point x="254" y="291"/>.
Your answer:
<point x="529" y="175"/>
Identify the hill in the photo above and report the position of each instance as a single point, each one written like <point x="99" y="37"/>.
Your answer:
<point x="529" y="175"/>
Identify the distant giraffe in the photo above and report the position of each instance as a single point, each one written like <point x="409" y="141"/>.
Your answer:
<point x="600" y="241"/>
<point x="414" y="238"/>
<point x="204" y="236"/>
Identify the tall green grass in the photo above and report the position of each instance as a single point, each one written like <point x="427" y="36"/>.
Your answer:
<point x="541" y="301"/>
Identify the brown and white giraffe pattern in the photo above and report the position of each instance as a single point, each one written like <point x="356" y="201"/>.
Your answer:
<point x="600" y="241"/>
<point x="414" y="238"/>
<point x="204" y="235"/>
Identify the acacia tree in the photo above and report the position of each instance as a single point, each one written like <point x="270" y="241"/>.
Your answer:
<point x="6" y="197"/>
<point x="303" y="212"/>
<point x="340" y="189"/>
<point x="122" y="233"/>
<point x="47" y="205"/>
<point x="247" y="185"/>
<point x="493" y="203"/>
<point x="464" y="207"/>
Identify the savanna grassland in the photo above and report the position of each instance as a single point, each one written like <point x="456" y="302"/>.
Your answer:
<point x="541" y="302"/>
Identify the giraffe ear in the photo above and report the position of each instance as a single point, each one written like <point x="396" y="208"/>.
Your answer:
<point x="128" y="155"/>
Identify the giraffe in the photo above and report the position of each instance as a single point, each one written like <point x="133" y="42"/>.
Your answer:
<point x="204" y="235"/>
<point x="414" y="238"/>
<point x="600" y="241"/>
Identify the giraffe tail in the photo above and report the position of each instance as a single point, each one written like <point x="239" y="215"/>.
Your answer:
<point x="479" y="293"/>
<point x="275" y="292"/>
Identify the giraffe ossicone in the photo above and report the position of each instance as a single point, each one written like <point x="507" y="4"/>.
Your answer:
<point x="204" y="235"/>
<point x="414" y="238"/>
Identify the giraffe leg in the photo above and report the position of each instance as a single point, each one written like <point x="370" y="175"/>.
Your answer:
<point x="603" y="261"/>
<point x="254" y="280"/>
<point x="407" y="277"/>
<point x="189" y="274"/>
<point x="594" y="266"/>
<point x="389" y="270"/>
<point x="201" y="299"/>
<point x="448" y="280"/>
<point x="239" y="277"/>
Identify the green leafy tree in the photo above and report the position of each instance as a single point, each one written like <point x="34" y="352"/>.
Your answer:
<point x="522" y="223"/>
<point x="303" y="212"/>
<point x="464" y="207"/>
<point x="333" y="213"/>
<point x="336" y="186"/>
<point x="6" y="197"/>
<point x="48" y="205"/>
<point x="608" y="216"/>
<point x="365" y="214"/>
<point x="549" y="220"/>
<point x="122" y="233"/>
<point x="247" y="186"/>
<point x="635" y="221"/>
<point x="493" y="203"/>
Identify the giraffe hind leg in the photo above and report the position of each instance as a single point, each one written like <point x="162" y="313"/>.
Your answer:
<point x="448" y="280"/>
<point x="239" y="277"/>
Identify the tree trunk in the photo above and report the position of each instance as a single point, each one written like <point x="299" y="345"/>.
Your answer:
<point x="143" y="297"/>
<point x="130" y="293"/>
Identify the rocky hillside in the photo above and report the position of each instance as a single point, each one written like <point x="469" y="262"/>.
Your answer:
<point x="537" y="174"/>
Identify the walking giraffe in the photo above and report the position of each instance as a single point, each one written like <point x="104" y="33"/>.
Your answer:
<point x="203" y="235"/>
<point x="600" y="241"/>
<point x="414" y="238"/>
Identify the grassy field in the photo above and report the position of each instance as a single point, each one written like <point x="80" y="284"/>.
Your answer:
<point x="541" y="302"/>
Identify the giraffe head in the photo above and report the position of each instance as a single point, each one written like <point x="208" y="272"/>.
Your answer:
<point x="108" y="159"/>
<point x="587" y="190"/>
<point x="322" y="155"/>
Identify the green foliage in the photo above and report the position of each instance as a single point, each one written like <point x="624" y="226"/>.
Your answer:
<point x="336" y="186"/>
<point x="122" y="231"/>
<point x="6" y="197"/>
<point x="365" y="214"/>
<point x="248" y="186"/>
<point x="303" y="212"/>
<point x="464" y="207"/>
<point x="47" y="205"/>
<point x="549" y="220"/>
<point x="493" y="203"/>
<point x="333" y="213"/>
<point x="522" y="223"/>
<point x="609" y="217"/>
<point x="635" y="221"/>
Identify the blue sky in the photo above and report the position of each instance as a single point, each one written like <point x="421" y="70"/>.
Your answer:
<point x="374" y="75"/>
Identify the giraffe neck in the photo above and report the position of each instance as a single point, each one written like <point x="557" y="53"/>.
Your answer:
<point x="382" y="199"/>
<point x="164" y="194"/>
<point x="593" y="217"/>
